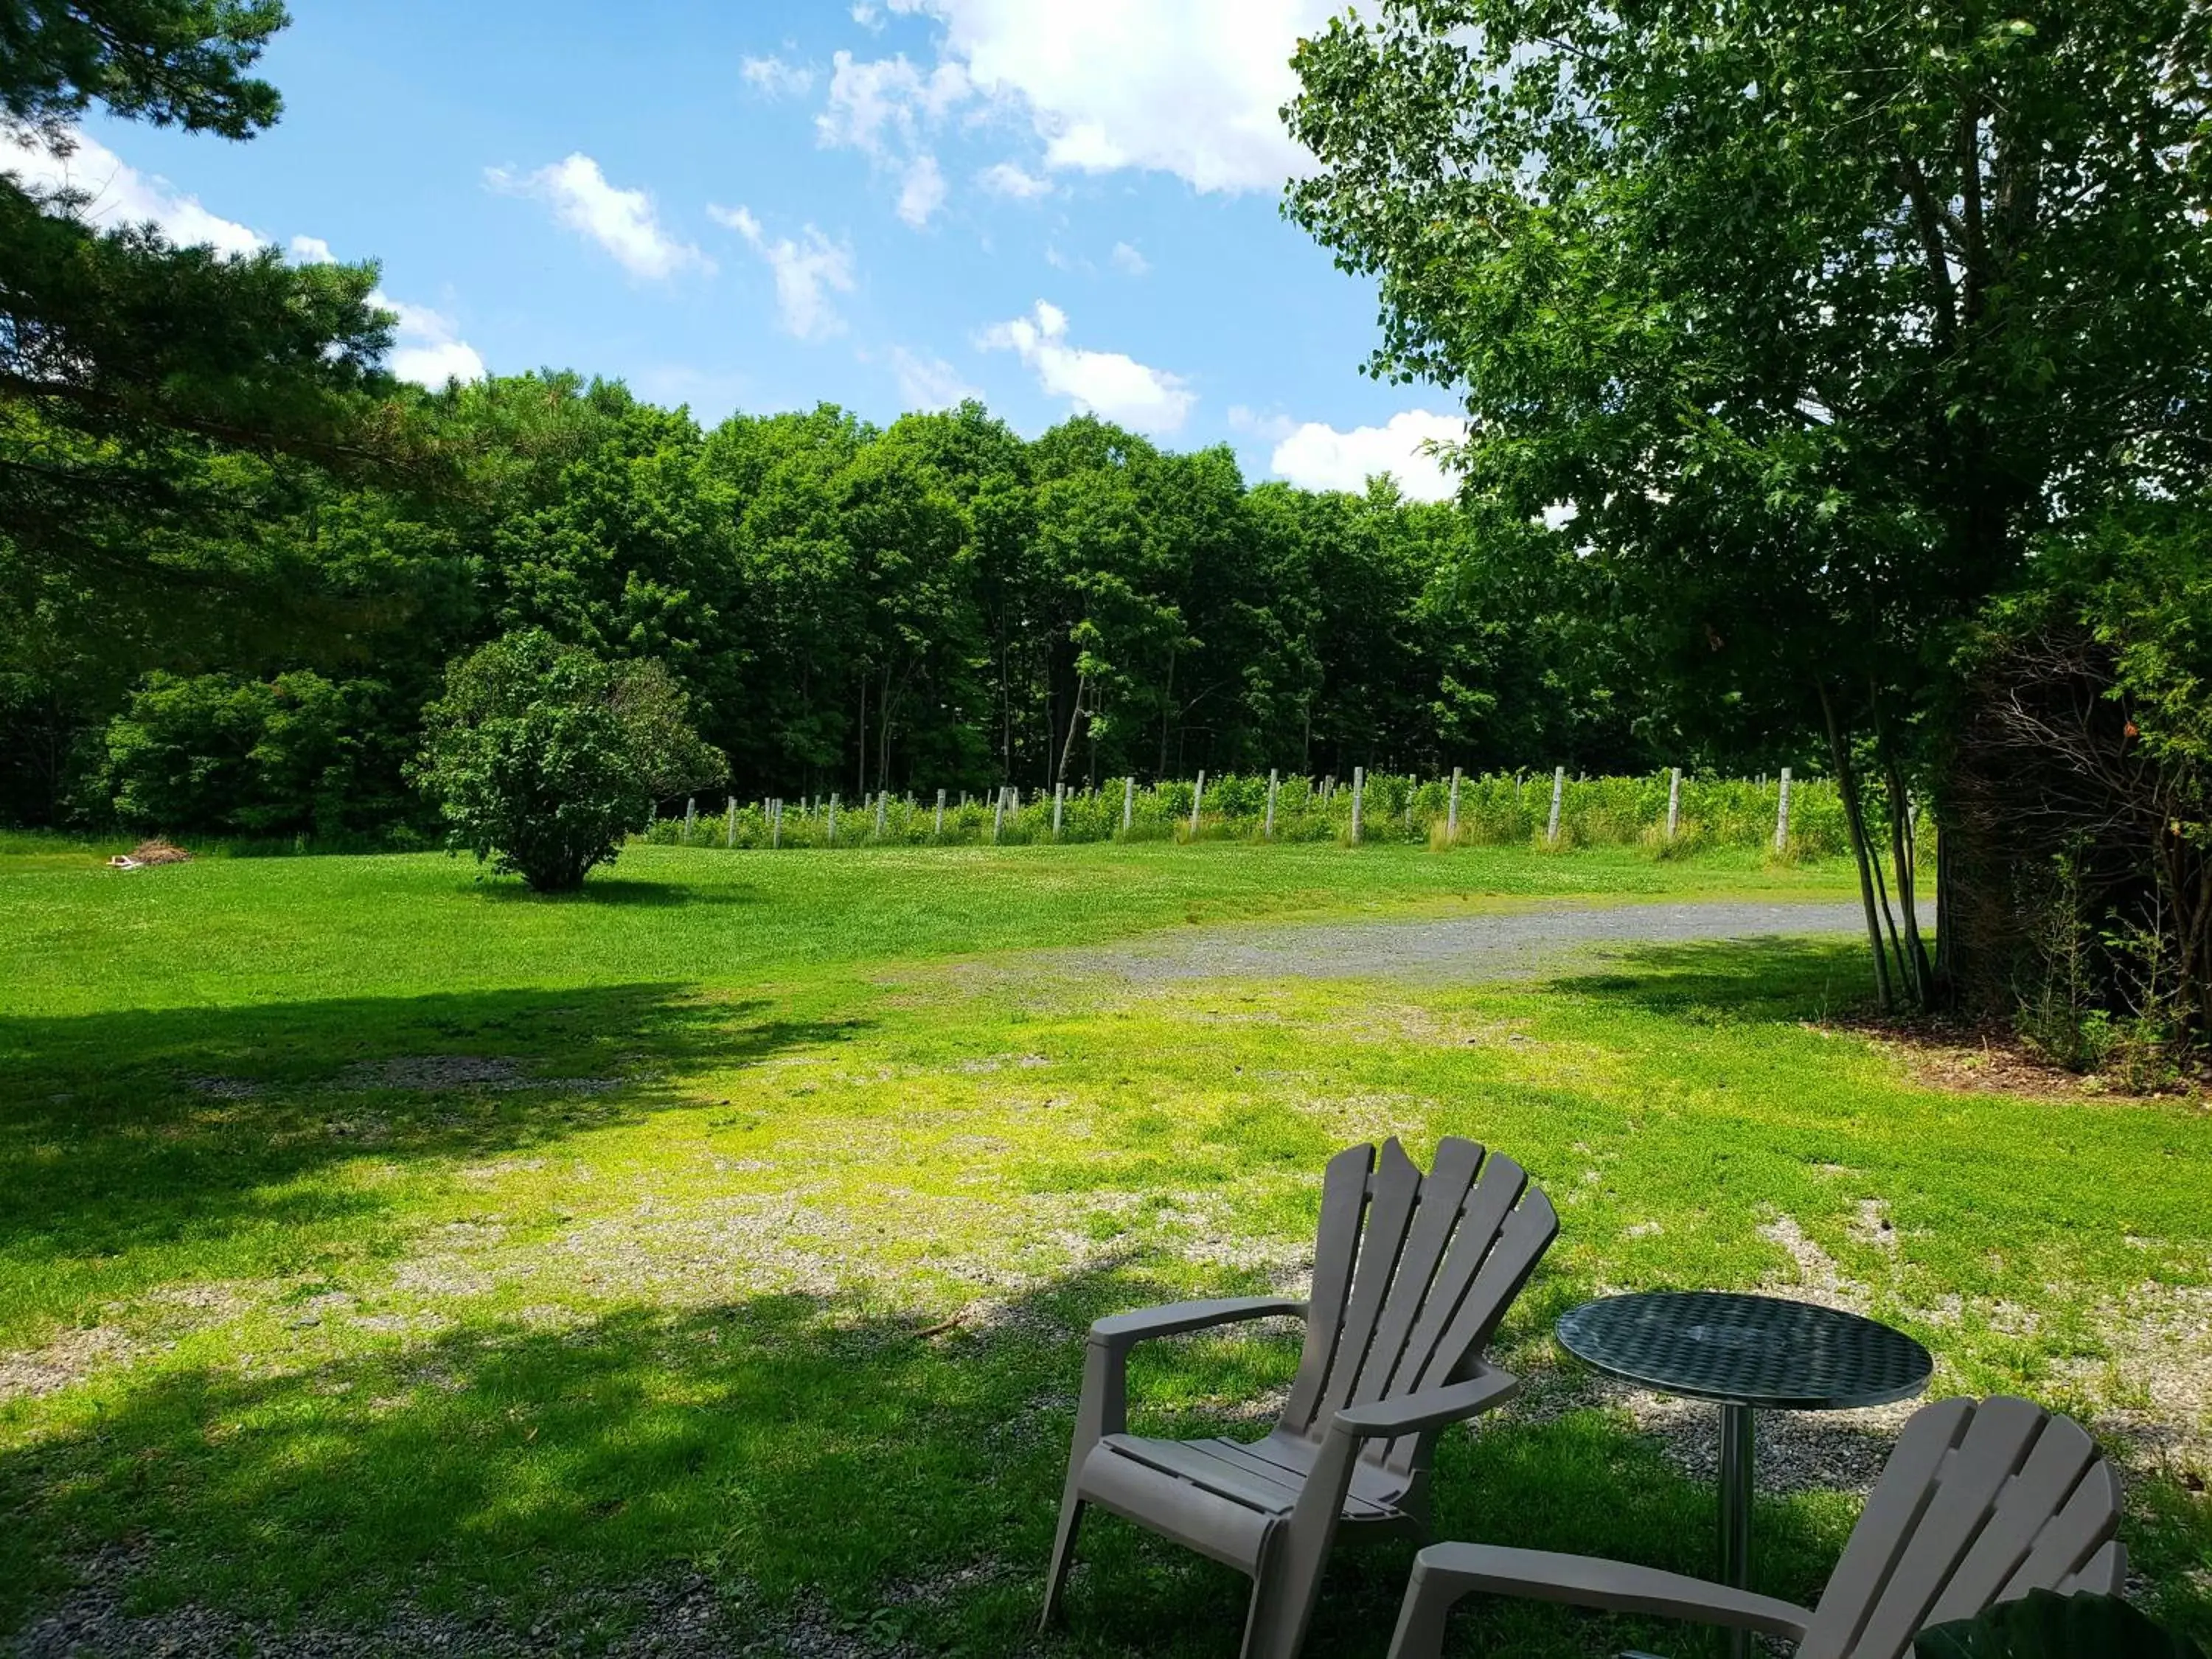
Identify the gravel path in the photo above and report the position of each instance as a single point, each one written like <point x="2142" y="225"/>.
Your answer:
<point x="1502" y="945"/>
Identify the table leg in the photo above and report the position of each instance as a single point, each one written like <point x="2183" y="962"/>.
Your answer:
<point x="1736" y="1447"/>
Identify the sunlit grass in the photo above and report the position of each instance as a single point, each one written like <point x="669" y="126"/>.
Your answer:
<point x="775" y="1269"/>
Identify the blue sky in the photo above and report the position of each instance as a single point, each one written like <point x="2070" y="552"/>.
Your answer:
<point x="1055" y="204"/>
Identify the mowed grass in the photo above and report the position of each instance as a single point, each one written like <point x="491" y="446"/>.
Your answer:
<point x="373" y="1237"/>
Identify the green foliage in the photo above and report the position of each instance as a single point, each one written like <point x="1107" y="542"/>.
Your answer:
<point x="215" y="754"/>
<point x="1495" y="810"/>
<point x="174" y="63"/>
<point x="162" y="409"/>
<point x="1816" y="316"/>
<point x="2043" y="1625"/>
<point x="541" y="757"/>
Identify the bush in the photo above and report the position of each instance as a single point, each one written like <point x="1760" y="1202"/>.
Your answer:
<point x="541" y="757"/>
<point x="219" y="754"/>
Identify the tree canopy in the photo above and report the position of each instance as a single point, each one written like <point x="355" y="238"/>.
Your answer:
<point x="1814" y="318"/>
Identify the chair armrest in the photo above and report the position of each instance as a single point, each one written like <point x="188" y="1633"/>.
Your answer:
<point x="1125" y="1330"/>
<point x="1431" y="1408"/>
<point x="1444" y="1572"/>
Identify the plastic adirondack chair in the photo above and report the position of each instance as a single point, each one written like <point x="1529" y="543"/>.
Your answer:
<point x="1978" y="1503"/>
<point x="1412" y="1274"/>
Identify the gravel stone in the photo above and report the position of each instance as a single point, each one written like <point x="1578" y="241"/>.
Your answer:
<point x="1499" y="945"/>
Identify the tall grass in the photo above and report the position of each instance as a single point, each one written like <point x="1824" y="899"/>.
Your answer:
<point x="1495" y="810"/>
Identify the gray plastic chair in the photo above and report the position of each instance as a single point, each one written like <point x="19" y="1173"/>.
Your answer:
<point x="1412" y="1274"/>
<point x="1978" y="1503"/>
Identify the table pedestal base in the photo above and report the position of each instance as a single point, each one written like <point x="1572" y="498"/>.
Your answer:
<point x="1737" y="1443"/>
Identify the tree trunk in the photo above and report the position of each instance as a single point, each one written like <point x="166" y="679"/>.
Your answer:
<point x="1839" y="749"/>
<point x="1075" y="719"/>
<point x="1167" y="708"/>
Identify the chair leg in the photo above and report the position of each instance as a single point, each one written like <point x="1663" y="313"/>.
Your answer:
<point x="1063" y="1554"/>
<point x="1420" y="1632"/>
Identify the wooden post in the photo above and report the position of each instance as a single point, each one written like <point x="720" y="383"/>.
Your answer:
<point x="1451" y="813"/>
<point x="833" y="818"/>
<point x="1059" y="794"/>
<point x="690" y="818"/>
<point x="1781" y="814"/>
<point x="1674" y="800"/>
<point x="1559" y="789"/>
<point x="1358" y="799"/>
<point x="1274" y="778"/>
<point x="730" y="838"/>
<point x="775" y="824"/>
<point x="997" y="814"/>
<point x="1197" y="794"/>
<point x="882" y="796"/>
<point x="938" y="833"/>
<point x="1128" y="803"/>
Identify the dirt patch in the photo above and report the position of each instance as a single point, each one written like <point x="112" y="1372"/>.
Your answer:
<point x="1985" y="1057"/>
<point x="438" y="1072"/>
<point x="224" y="1088"/>
<point x="2156" y="1385"/>
<point x="1819" y="1279"/>
<point x="681" y="1616"/>
<point x="68" y="1359"/>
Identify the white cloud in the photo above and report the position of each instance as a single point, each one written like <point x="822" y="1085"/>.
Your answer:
<point x="428" y="348"/>
<point x="623" y="221"/>
<point x="777" y="78"/>
<point x="1008" y="180"/>
<point x="1193" y="90"/>
<point x="1105" y="383"/>
<point x="1318" y="456"/>
<point x="923" y="192"/>
<point x="1128" y="261"/>
<point x="119" y="194"/>
<point x="806" y="271"/>
<point x="929" y="382"/>
<point x="866" y="15"/>
<point x="312" y="251"/>
<point x="1271" y="427"/>
<point x="882" y="105"/>
<point x="885" y="108"/>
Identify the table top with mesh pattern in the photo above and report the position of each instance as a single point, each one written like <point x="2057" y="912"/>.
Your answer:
<point x="1746" y="1350"/>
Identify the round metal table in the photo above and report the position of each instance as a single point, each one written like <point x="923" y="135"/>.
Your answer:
<point x="1744" y="1352"/>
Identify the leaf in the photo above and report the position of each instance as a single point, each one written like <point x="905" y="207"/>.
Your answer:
<point x="2045" y="1625"/>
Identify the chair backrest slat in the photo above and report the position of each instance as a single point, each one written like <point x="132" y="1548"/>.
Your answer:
<point x="2024" y="1509"/>
<point x="1412" y="1274"/>
<point x="1893" y="1510"/>
<point x="1498" y="1189"/>
<point x="1395" y="1189"/>
<point x="1336" y="1249"/>
<point x="1978" y="1503"/>
<point x="2075" y="1535"/>
<point x="1997" y="1441"/>
<point x="1521" y="1242"/>
<point x="2107" y="1574"/>
<point x="1443" y="1198"/>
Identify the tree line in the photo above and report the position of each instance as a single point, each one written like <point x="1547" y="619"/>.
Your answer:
<point x="936" y="603"/>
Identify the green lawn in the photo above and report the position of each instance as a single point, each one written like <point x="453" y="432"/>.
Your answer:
<point x="375" y="1238"/>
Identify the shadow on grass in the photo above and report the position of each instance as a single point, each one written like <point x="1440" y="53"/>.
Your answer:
<point x="1749" y="979"/>
<point x="131" y="1130"/>
<point x="620" y="891"/>
<point x="813" y="1459"/>
<point x="796" y="1449"/>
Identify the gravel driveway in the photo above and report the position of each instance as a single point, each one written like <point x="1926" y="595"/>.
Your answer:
<point x="1501" y="944"/>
